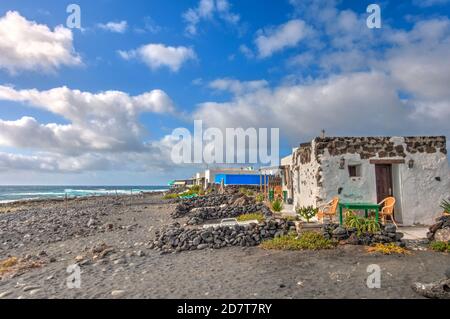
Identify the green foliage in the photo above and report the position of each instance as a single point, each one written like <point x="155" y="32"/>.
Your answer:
<point x="445" y="206"/>
<point x="440" y="246"/>
<point x="246" y="217"/>
<point x="259" y="197"/>
<point x="307" y="241"/>
<point x="277" y="205"/>
<point x="196" y="189"/>
<point x="170" y="196"/>
<point x="362" y="225"/>
<point x="307" y="212"/>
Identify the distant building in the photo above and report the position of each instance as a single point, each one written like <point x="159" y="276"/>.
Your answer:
<point x="238" y="179"/>
<point x="414" y="170"/>
<point x="208" y="177"/>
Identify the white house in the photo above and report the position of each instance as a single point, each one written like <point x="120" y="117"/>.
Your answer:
<point x="415" y="170"/>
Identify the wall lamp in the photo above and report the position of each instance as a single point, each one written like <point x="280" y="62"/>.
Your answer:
<point x="342" y="163"/>
<point x="411" y="163"/>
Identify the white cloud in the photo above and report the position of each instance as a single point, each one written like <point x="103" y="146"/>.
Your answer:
<point x="29" y="46"/>
<point x="117" y="27"/>
<point x="355" y="103"/>
<point x="159" y="55"/>
<point x="272" y="40"/>
<point x="237" y="87"/>
<point x="100" y="122"/>
<point x="208" y="10"/>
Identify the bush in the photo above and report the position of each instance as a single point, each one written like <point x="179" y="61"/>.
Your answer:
<point x="362" y="225"/>
<point x="277" y="206"/>
<point x="260" y="198"/>
<point x="440" y="246"/>
<point x="170" y="196"/>
<point x="307" y="212"/>
<point x="307" y="241"/>
<point x="246" y="217"/>
<point x="388" y="249"/>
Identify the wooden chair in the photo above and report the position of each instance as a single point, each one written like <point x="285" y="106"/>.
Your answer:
<point x="388" y="209"/>
<point x="328" y="209"/>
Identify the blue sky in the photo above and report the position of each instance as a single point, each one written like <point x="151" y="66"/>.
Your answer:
<point x="297" y="65"/>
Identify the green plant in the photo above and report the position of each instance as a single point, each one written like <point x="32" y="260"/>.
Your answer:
<point x="440" y="246"/>
<point x="307" y="212"/>
<point x="277" y="205"/>
<point x="252" y="216"/>
<point x="259" y="197"/>
<point x="307" y="241"/>
<point x="170" y="196"/>
<point x="445" y="205"/>
<point x="362" y="225"/>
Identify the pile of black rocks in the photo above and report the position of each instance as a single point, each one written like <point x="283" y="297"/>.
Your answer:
<point x="187" y="205"/>
<point x="175" y="238"/>
<point x="201" y="215"/>
<point x="387" y="234"/>
<point x="441" y="230"/>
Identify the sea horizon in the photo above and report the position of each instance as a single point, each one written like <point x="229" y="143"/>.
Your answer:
<point x="14" y="193"/>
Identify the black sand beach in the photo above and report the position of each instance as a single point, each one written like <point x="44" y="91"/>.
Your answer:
<point x="109" y="238"/>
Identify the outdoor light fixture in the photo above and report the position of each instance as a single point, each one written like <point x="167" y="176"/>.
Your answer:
<point x="411" y="163"/>
<point x="342" y="163"/>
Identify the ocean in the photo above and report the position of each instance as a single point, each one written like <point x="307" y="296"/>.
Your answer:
<point x="15" y="193"/>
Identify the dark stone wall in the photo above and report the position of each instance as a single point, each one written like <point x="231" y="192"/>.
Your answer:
<point x="369" y="147"/>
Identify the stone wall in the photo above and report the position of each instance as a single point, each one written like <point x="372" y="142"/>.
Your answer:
<point x="381" y="147"/>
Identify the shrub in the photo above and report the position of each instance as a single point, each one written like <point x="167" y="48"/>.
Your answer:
<point x="170" y="196"/>
<point x="445" y="205"/>
<point x="307" y="241"/>
<point x="440" y="246"/>
<point x="307" y="212"/>
<point x="246" y="217"/>
<point x="259" y="198"/>
<point x="277" y="206"/>
<point x="362" y="225"/>
<point x="387" y="249"/>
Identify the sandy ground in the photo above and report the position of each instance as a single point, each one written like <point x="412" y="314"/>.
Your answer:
<point x="132" y="270"/>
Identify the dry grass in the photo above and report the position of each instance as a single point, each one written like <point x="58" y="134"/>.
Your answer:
<point x="388" y="249"/>
<point x="253" y="216"/>
<point x="13" y="265"/>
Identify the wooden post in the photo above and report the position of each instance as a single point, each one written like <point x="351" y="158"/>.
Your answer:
<point x="65" y="199"/>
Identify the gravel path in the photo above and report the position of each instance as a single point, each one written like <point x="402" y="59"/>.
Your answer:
<point x="109" y="237"/>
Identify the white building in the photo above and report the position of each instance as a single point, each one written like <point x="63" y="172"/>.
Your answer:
<point x="414" y="170"/>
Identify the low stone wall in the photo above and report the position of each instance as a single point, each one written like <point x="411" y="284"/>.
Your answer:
<point x="176" y="238"/>
<point x="201" y="215"/>
<point x="187" y="205"/>
<point x="388" y="234"/>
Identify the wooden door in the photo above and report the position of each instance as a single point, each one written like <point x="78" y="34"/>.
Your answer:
<point x="383" y="174"/>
